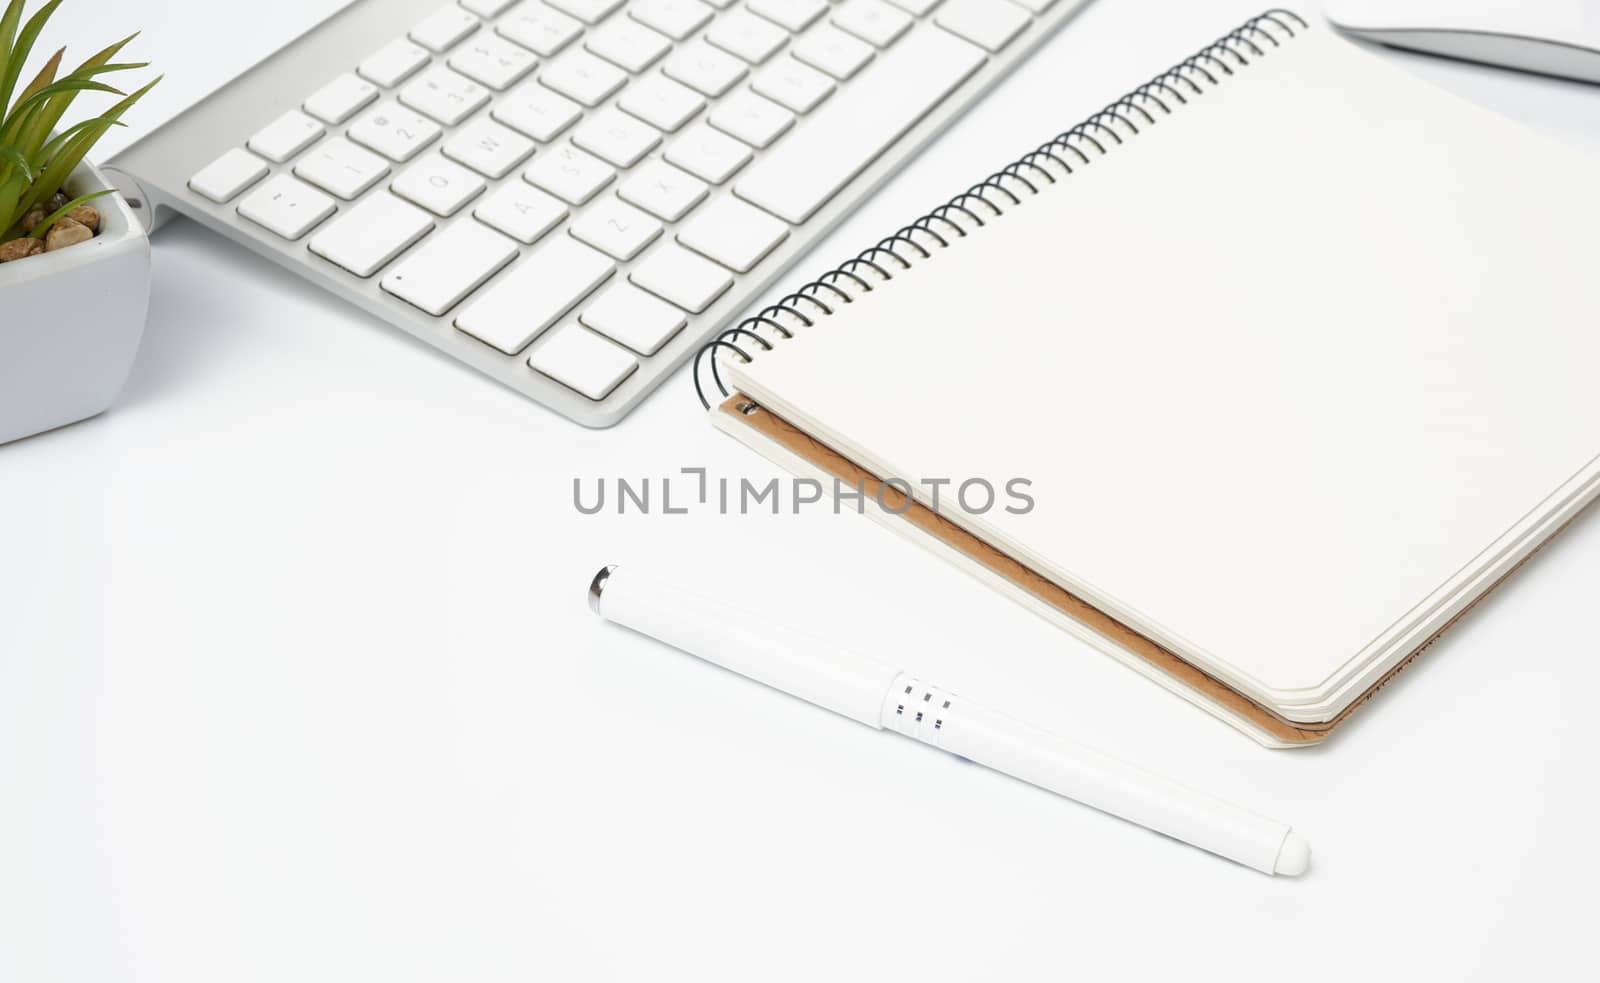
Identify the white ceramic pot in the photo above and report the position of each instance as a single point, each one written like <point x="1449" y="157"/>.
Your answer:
<point x="70" y="321"/>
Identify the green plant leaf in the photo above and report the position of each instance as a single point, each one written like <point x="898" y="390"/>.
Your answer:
<point x="46" y="75"/>
<point x="38" y="231"/>
<point x="49" y="150"/>
<point x="12" y="157"/>
<point x="104" y="55"/>
<point x="40" y="98"/>
<point x="22" y="48"/>
<point x="11" y="212"/>
<point x="73" y="151"/>
<point x="18" y="111"/>
<point x="11" y="129"/>
<point x="8" y="33"/>
<point x="34" y="136"/>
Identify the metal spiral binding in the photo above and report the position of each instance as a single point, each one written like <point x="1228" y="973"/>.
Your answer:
<point x="990" y="198"/>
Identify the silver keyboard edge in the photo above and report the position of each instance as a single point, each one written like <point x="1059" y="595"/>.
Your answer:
<point x="163" y="161"/>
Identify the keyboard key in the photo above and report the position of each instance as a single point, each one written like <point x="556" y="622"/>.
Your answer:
<point x="449" y="266"/>
<point x="569" y="174"/>
<point x="628" y="315"/>
<point x="833" y="51"/>
<point x="662" y="190"/>
<point x="520" y="211"/>
<point x="286" y="136"/>
<point x="438" y="185"/>
<point x="341" y="99"/>
<point x="734" y="234"/>
<point x="444" y="96"/>
<point x="793" y="85"/>
<point x="708" y="154"/>
<point x="675" y="18"/>
<point x="990" y="24"/>
<point x="794" y="15"/>
<point x="873" y="21"/>
<point x="488" y="148"/>
<point x="582" y="361"/>
<point x="375" y="231"/>
<point x="536" y="111"/>
<point x="487" y="8"/>
<point x="619" y="230"/>
<point x="544" y="286"/>
<point x="678" y="276"/>
<point x="394" y="131"/>
<point x="1037" y="6"/>
<point x="616" y="137"/>
<point x="286" y="207"/>
<point x="539" y="28"/>
<point x="393" y="63"/>
<point x="440" y="30"/>
<point x="341" y="168"/>
<point x="627" y="44"/>
<point x="493" y="61"/>
<point x="583" y="77"/>
<point x="891" y="95"/>
<point x="661" y="102"/>
<point x="751" y="118"/>
<point x="588" y="11"/>
<point x="224" y="178"/>
<point x="918" y="7"/>
<point x="748" y="36"/>
<point x="704" y="69"/>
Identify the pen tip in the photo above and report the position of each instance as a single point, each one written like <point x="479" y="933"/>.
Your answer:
<point x="1294" y="856"/>
<point x="597" y="587"/>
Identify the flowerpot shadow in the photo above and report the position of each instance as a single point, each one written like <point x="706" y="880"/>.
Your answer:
<point x="188" y="330"/>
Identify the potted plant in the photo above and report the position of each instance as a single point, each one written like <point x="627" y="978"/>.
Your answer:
<point x="66" y="237"/>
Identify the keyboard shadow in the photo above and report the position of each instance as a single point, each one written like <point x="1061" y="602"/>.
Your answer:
<point x="188" y="330"/>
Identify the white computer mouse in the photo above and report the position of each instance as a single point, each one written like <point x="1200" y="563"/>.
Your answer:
<point x="1552" y="37"/>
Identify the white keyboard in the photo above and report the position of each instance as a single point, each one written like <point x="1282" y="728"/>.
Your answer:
<point x="572" y="195"/>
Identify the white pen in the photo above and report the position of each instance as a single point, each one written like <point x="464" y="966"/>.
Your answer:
<point x="882" y="696"/>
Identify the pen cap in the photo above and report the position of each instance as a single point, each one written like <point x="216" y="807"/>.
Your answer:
<point x="752" y="645"/>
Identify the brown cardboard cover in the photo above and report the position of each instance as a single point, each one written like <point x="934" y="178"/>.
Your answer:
<point x="825" y="459"/>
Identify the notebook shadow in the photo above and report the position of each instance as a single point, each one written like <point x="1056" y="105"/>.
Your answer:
<point x="1432" y="660"/>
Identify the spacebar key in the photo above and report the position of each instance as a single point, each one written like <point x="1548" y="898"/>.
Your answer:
<point x="799" y="176"/>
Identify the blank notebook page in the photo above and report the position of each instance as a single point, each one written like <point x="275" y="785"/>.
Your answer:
<point x="1280" y="368"/>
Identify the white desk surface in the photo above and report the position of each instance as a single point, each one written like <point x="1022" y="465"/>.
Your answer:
<point x="297" y="683"/>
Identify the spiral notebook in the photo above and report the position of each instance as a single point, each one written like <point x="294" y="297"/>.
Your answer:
<point x="1295" y="351"/>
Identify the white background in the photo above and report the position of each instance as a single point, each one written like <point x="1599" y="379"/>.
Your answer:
<point x="297" y="681"/>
